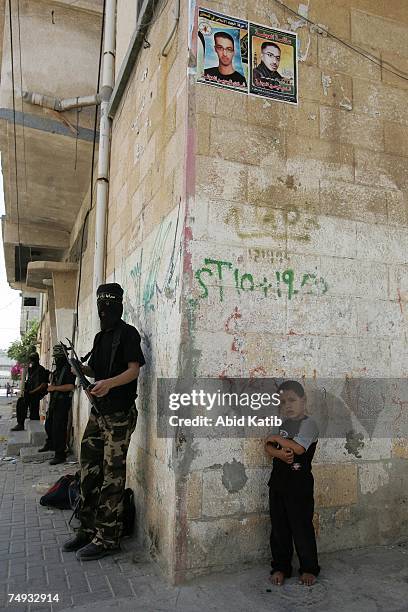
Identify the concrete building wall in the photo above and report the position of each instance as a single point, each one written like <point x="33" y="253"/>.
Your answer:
<point x="145" y="221"/>
<point x="308" y="204"/>
<point x="144" y="254"/>
<point x="30" y="310"/>
<point x="45" y="348"/>
<point x="83" y="235"/>
<point x="71" y="33"/>
<point x="127" y="13"/>
<point x="312" y="199"/>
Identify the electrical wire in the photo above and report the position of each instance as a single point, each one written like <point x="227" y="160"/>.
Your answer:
<point x="76" y="326"/>
<point x="368" y="56"/>
<point x="15" y="142"/>
<point x="10" y="303"/>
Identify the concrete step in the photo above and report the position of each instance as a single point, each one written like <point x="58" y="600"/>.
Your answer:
<point x="16" y="441"/>
<point x="34" y="435"/>
<point x="37" y="432"/>
<point x="30" y="454"/>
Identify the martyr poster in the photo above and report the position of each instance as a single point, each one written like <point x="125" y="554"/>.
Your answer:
<point x="273" y="63"/>
<point x="222" y="51"/>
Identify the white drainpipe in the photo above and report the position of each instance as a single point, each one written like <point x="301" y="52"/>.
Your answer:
<point x="102" y="186"/>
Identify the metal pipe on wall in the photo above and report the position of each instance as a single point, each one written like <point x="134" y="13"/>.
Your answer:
<point x="102" y="185"/>
<point x="58" y="104"/>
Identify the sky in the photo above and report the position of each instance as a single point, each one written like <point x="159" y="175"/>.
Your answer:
<point x="10" y="301"/>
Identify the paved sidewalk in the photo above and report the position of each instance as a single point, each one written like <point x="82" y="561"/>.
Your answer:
<point x="31" y="561"/>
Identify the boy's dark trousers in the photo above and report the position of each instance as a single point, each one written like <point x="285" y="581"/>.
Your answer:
<point x="292" y="521"/>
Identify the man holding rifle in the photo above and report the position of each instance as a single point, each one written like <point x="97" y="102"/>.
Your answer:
<point x="60" y="389"/>
<point x="114" y="362"/>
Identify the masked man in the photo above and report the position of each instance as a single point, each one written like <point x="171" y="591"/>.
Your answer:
<point x="35" y="389"/>
<point x="56" y="423"/>
<point x="115" y="360"/>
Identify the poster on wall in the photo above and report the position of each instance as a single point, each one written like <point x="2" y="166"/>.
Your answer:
<point x="222" y="51"/>
<point x="273" y="63"/>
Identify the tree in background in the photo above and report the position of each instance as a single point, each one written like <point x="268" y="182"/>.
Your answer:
<point x="20" y="350"/>
<point x="16" y="371"/>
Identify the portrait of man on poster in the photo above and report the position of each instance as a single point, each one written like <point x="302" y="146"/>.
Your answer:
<point x="225" y="73"/>
<point x="267" y="69"/>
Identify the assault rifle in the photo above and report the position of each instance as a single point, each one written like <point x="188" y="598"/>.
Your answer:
<point x="76" y="364"/>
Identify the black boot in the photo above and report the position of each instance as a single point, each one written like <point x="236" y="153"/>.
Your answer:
<point x="79" y="541"/>
<point x="45" y="448"/>
<point x="57" y="460"/>
<point x="92" y="551"/>
<point x="17" y="427"/>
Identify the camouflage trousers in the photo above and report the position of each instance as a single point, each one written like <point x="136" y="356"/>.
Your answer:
<point x="104" y="448"/>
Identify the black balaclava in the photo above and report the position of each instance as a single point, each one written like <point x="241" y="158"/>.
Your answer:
<point x="34" y="360"/>
<point x="110" y="305"/>
<point x="59" y="357"/>
<point x="59" y="362"/>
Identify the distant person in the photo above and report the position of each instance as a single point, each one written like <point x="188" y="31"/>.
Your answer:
<point x="291" y="502"/>
<point x="8" y="390"/>
<point x="267" y="70"/>
<point x="56" y="423"/>
<point x="35" y="389"/>
<point x="225" y="72"/>
<point x="36" y="386"/>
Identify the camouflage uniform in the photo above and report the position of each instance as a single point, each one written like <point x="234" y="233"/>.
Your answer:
<point x="106" y="438"/>
<point x="103" y="474"/>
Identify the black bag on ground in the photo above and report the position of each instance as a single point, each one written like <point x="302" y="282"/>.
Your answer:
<point x="65" y="495"/>
<point x="58" y="496"/>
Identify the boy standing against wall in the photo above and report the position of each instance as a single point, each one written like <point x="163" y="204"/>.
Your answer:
<point x="291" y="501"/>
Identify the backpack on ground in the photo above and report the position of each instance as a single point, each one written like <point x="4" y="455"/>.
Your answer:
<point x="65" y="495"/>
<point x="58" y="495"/>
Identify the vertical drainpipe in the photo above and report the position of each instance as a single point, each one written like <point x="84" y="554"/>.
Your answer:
<point x="102" y="185"/>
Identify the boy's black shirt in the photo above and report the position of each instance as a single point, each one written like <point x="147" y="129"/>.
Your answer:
<point x="129" y="350"/>
<point x="297" y="476"/>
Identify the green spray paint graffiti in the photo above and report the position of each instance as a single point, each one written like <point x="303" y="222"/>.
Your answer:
<point x="282" y="284"/>
<point x="145" y="274"/>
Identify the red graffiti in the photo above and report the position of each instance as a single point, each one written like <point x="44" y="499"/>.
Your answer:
<point x="258" y="370"/>
<point x="233" y="317"/>
<point x="400" y="301"/>
<point x="237" y="342"/>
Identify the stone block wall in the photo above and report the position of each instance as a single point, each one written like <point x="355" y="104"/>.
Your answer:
<point x="298" y="224"/>
<point x="145" y="255"/>
<point x="254" y="238"/>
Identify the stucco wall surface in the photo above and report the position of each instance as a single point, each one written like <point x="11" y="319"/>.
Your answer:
<point x="298" y="225"/>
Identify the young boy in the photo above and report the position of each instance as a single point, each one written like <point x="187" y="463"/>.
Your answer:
<point x="291" y="502"/>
